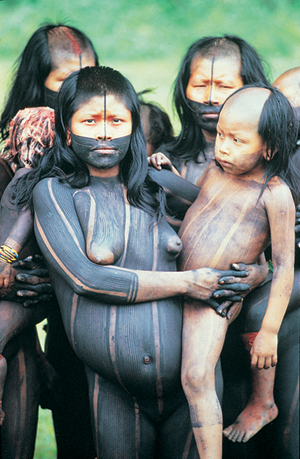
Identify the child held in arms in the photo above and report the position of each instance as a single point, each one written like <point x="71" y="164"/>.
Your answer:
<point x="245" y="202"/>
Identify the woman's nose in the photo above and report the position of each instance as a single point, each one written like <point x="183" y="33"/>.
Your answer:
<point x="210" y="96"/>
<point x="104" y="132"/>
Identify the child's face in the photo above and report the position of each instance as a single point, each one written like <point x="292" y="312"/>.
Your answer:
<point x="239" y="149"/>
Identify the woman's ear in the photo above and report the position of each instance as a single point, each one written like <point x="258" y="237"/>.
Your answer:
<point x="68" y="141"/>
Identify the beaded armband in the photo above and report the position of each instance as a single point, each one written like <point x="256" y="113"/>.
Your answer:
<point x="8" y="254"/>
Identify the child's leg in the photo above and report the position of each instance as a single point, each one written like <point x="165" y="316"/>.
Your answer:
<point x="261" y="408"/>
<point x="203" y="337"/>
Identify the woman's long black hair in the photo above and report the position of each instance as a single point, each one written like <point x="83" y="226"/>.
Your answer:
<point x="33" y="67"/>
<point x="187" y="145"/>
<point x="278" y="128"/>
<point x="61" y="161"/>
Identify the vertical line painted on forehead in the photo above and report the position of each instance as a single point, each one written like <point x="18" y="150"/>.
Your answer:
<point x="76" y="46"/>
<point x="211" y="79"/>
<point x="104" y="114"/>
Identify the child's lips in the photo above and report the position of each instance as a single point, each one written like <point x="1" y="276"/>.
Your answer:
<point x="224" y="164"/>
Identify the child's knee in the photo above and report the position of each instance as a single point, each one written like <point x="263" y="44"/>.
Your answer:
<point x="196" y="378"/>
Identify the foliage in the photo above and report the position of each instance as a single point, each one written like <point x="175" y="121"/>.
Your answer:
<point x="139" y="29"/>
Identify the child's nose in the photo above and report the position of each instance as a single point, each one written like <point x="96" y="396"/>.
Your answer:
<point x="224" y="147"/>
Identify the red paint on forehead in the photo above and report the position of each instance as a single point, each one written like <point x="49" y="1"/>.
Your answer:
<point x="76" y="46"/>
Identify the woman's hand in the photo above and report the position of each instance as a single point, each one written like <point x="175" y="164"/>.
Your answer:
<point x="30" y="282"/>
<point x="223" y="290"/>
<point x="206" y="286"/>
<point x="6" y="274"/>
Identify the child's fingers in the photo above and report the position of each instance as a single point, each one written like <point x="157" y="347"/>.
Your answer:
<point x="154" y="161"/>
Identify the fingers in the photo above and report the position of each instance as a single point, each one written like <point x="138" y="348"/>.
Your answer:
<point x="217" y="307"/>
<point x="40" y="299"/>
<point x="158" y="160"/>
<point x="263" y="362"/>
<point x="222" y="309"/>
<point x="32" y="279"/>
<point x="225" y="293"/>
<point x="229" y="277"/>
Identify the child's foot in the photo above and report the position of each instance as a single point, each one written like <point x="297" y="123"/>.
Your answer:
<point x="253" y="418"/>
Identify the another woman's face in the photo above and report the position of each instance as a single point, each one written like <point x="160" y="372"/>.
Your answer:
<point x="102" y="119"/>
<point x="213" y="79"/>
<point x="64" y="67"/>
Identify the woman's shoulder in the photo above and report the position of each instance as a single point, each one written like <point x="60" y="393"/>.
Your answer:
<point x="51" y="185"/>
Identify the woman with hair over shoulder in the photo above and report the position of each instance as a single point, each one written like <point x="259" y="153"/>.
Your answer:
<point x="51" y="54"/>
<point x="100" y="225"/>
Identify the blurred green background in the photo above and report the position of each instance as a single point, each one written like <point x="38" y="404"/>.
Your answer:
<point x="146" y="40"/>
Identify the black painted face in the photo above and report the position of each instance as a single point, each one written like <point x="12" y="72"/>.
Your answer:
<point x="50" y="97"/>
<point x="102" y="154"/>
<point x="205" y="116"/>
<point x="212" y="80"/>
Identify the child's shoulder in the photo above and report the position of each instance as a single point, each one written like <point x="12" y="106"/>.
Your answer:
<point x="278" y="192"/>
<point x="277" y="185"/>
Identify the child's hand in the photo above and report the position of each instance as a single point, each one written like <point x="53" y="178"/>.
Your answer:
<point x="264" y="350"/>
<point x="159" y="160"/>
<point x="6" y="274"/>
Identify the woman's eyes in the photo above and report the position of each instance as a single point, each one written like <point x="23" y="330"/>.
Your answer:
<point x="114" y="121"/>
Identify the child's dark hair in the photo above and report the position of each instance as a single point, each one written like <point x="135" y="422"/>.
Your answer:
<point x="34" y="65"/>
<point x="61" y="161"/>
<point x="190" y="140"/>
<point x="160" y="126"/>
<point x="278" y="128"/>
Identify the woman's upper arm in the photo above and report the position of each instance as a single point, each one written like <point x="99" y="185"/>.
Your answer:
<point x="62" y="242"/>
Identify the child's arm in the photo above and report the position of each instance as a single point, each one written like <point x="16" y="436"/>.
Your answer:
<point x="159" y="160"/>
<point x="281" y="214"/>
<point x="16" y="229"/>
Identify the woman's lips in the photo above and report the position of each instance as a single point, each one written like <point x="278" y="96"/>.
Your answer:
<point x="104" y="150"/>
<point x="212" y="116"/>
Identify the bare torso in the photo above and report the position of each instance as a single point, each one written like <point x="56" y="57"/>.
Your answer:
<point x="218" y="227"/>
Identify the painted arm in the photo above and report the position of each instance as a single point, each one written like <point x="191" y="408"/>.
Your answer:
<point x="16" y="229"/>
<point x="62" y="243"/>
<point x="281" y="214"/>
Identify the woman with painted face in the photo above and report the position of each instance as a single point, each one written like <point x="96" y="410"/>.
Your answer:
<point x="101" y="227"/>
<point x="51" y="54"/>
<point x="211" y="70"/>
